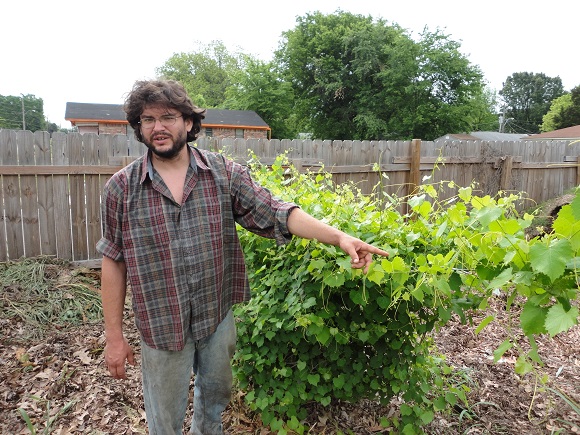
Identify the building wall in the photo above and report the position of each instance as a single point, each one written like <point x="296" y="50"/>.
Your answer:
<point x="112" y="128"/>
<point x="255" y="134"/>
<point x="88" y="129"/>
<point x="222" y="133"/>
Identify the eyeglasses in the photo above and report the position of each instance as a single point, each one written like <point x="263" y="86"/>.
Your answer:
<point x="165" y="120"/>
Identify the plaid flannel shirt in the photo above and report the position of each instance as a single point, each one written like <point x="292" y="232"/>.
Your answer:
<point x="184" y="261"/>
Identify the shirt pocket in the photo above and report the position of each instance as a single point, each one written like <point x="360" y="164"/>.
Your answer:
<point x="148" y="227"/>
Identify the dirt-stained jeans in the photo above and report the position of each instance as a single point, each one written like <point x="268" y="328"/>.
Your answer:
<point x="166" y="378"/>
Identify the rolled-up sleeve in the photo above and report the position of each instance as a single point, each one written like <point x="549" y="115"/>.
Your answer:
<point x="255" y="208"/>
<point x="111" y="243"/>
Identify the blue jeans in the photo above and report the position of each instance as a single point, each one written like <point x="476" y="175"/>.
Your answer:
<point x="166" y="376"/>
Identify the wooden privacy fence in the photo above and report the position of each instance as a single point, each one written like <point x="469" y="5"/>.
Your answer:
<point x="50" y="186"/>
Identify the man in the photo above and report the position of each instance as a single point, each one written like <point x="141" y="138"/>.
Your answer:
<point x="169" y="231"/>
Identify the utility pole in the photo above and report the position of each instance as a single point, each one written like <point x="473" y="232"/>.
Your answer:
<point x="23" y="113"/>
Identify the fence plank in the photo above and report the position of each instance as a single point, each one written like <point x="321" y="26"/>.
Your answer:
<point x="60" y="187"/>
<point x="4" y="138"/>
<point x="13" y="206"/>
<point x="93" y="188"/>
<point x="46" y="216"/>
<point x="506" y="173"/>
<point x="29" y="196"/>
<point x="77" y="195"/>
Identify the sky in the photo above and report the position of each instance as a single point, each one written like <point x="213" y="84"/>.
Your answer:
<point x="93" y="52"/>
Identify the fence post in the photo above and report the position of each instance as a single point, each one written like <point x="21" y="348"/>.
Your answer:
<point x="415" y="172"/>
<point x="578" y="171"/>
<point x="506" y="173"/>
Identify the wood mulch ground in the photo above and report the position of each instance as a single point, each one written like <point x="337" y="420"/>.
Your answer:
<point x="60" y="381"/>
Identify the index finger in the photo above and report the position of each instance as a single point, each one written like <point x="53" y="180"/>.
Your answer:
<point x="374" y="250"/>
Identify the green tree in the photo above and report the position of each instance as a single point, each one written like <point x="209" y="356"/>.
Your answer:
<point x="480" y="115"/>
<point x="25" y="112"/>
<point x="205" y="74"/>
<point x="259" y="87"/>
<point x="356" y="78"/>
<point x="570" y="115"/>
<point x="449" y="92"/>
<point x="527" y="97"/>
<point x="51" y="127"/>
<point x="560" y="103"/>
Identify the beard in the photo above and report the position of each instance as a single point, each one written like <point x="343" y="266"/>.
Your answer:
<point x="179" y="143"/>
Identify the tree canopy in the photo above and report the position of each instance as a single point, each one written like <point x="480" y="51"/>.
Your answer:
<point x="345" y="76"/>
<point x="24" y="112"/>
<point x="206" y="73"/>
<point x="258" y="87"/>
<point x="569" y="115"/>
<point x="527" y="98"/>
<point x="557" y="105"/>
<point x="357" y="78"/>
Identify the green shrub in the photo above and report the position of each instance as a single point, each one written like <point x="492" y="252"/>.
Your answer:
<point x="316" y="330"/>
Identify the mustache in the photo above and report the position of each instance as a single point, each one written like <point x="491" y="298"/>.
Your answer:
<point x="178" y="145"/>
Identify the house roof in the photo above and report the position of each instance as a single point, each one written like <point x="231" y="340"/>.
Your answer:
<point x="114" y="113"/>
<point x="457" y="136"/>
<point x="238" y="118"/>
<point x="497" y="136"/>
<point x="563" y="133"/>
<point x="483" y="135"/>
<point x="82" y="112"/>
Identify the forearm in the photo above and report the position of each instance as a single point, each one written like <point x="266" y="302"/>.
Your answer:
<point x="303" y="225"/>
<point x="113" y="292"/>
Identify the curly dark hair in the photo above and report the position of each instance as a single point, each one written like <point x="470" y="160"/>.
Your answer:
<point x="165" y="93"/>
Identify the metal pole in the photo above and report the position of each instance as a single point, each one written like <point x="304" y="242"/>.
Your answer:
<point x="23" y="113"/>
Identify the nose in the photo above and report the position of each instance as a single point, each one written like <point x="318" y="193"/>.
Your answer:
<point x="157" y="121"/>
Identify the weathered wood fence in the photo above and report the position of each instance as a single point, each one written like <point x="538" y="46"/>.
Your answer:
<point x="50" y="186"/>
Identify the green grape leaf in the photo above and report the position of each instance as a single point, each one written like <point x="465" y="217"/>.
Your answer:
<point x="339" y="382"/>
<point x="523" y="366"/>
<point x="551" y="260"/>
<point x="334" y="280"/>
<point x="488" y="215"/>
<point x="575" y="205"/>
<point x="533" y="319"/>
<point x="559" y="320"/>
<point x="376" y="273"/>
<point x="500" y="280"/>
<point x="567" y="223"/>
<point x="313" y="379"/>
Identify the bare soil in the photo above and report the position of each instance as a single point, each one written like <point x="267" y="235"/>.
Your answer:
<point x="60" y="383"/>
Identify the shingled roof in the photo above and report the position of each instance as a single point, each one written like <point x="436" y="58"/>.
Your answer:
<point x="83" y="112"/>
<point x="237" y="118"/>
<point x="483" y="135"/>
<point x="113" y="113"/>
<point x="563" y="133"/>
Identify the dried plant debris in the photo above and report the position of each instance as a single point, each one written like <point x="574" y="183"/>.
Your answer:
<point x="53" y="380"/>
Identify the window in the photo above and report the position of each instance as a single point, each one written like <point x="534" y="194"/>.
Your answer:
<point x="209" y="131"/>
<point x="239" y="133"/>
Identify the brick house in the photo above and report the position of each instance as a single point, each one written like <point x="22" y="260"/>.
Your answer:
<point x="220" y="123"/>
